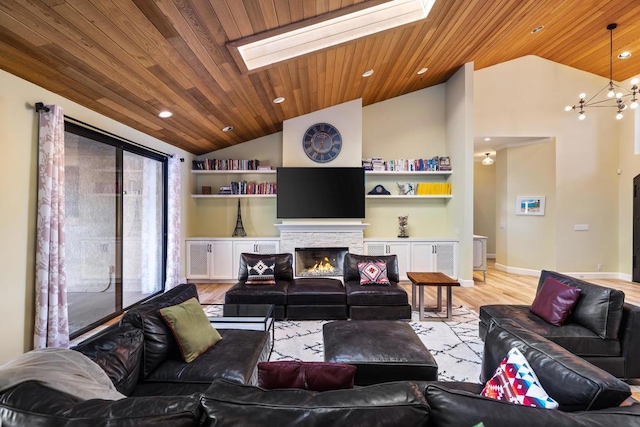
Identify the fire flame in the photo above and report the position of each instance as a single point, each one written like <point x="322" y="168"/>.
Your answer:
<point x="322" y="266"/>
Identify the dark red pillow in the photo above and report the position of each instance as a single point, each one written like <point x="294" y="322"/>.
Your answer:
<point x="554" y="301"/>
<point x="316" y="376"/>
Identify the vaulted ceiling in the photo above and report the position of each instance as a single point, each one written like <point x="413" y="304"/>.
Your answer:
<point x="130" y="59"/>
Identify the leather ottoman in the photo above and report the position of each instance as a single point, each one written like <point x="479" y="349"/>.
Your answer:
<point x="316" y="299"/>
<point x="382" y="350"/>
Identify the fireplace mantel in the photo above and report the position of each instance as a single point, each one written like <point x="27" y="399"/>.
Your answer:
<point x="323" y="227"/>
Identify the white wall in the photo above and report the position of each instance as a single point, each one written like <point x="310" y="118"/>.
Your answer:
<point x="629" y="165"/>
<point x="526" y="97"/>
<point x="18" y="175"/>
<point x="484" y="203"/>
<point x="460" y="132"/>
<point x="408" y="126"/>
<point x="346" y="117"/>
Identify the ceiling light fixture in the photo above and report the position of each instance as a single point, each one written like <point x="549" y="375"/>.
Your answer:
<point x="487" y="139"/>
<point x="624" y="55"/>
<point x="487" y="161"/>
<point x="320" y="35"/>
<point x="422" y="70"/>
<point x="227" y="128"/>
<point x="278" y="100"/>
<point x="616" y="95"/>
<point x="537" y="29"/>
<point x="165" y="114"/>
<point x="367" y="73"/>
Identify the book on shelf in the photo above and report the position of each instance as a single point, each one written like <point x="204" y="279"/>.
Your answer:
<point x="252" y="187"/>
<point x="435" y="163"/>
<point x="433" y="189"/>
<point x="226" y="164"/>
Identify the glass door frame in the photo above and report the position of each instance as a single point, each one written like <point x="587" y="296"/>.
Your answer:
<point x="121" y="146"/>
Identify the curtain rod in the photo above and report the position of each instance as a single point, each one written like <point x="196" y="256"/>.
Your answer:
<point x="39" y="106"/>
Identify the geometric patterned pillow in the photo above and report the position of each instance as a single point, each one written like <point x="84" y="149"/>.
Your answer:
<point x="514" y="381"/>
<point x="373" y="273"/>
<point x="261" y="271"/>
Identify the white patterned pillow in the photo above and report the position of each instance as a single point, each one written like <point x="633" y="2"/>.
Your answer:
<point x="373" y="273"/>
<point x="261" y="271"/>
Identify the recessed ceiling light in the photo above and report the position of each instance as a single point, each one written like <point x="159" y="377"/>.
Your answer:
<point x="367" y="73"/>
<point x="278" y="100"/>
<point x="624" y="55"/>
<point x="227" y="128"/>
<point x="165" y="114"/>
<point x="537" y="29"/>
<point x="422" y="70"/>
<point x="487" y="139"/>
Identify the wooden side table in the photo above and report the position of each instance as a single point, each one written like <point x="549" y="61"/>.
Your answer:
<point x="420" y="280"/>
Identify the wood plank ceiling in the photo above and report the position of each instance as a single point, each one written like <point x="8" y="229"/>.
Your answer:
<point x="130" y="59"/>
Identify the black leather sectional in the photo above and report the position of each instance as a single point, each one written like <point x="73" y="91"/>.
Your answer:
<point x="601" y="329"/>
<point x="324" y="298"/>
<point x="217" y="390"/>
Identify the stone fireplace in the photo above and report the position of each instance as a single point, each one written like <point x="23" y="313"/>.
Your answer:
<point x="319" y="262"/>
<point x="321" y="235"/>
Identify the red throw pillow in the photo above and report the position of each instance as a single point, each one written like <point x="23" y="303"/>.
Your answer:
<point x="554" y="301"/>
<point x="316" y="376"/>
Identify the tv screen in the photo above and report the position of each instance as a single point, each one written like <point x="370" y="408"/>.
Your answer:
<point x="320" y="193"/>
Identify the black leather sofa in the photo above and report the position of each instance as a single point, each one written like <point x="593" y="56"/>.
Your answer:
<point x="324" y="298"/>
<point x="601" y="329"/>
<point x="588" y="396"/>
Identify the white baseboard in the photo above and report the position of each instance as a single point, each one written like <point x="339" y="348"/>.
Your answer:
<point x="491" y="256"/>
<point x="465" y="283"/>
<point x="517" y="270"/>
<point x="578" y="275"/>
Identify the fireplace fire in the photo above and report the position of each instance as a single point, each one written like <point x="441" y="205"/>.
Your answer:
<point x="319" y="262"/>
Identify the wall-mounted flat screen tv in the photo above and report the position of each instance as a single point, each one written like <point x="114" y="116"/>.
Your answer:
<point x="320" y="192"/>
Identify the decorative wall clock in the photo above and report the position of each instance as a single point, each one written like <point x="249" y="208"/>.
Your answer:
<point x="322" y="142"/>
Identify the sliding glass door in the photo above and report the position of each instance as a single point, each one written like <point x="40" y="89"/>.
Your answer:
<point x="115" y="225"/>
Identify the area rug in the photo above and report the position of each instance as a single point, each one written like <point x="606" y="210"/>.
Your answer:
<point x="454" y="344"/>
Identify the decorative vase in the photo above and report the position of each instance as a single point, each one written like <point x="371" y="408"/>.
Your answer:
<point x="403" y="221"/>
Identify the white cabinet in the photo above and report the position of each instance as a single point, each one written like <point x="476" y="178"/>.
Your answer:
<point x="398" y="248"/>
<point x="261" y="246"/>
<point x="418" y="254"/>
<point x="480" y="255"/>
<point x="209" y="259"/>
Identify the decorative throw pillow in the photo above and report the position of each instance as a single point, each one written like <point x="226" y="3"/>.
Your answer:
<point x="514" y="381"/>
<point x="373" y="273"/>
<point x="261" y="271"/>
<point x="191" y="328"/>
<point x="554" y="301"/>
<point x="316" y="376"/>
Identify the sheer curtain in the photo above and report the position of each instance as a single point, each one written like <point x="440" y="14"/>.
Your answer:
<point x="173" y="223"/>
<point x="51" y="323"/>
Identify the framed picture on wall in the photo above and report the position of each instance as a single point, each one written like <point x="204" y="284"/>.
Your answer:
<point x="530" y="205"/>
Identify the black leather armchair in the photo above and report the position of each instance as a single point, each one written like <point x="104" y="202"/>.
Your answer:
<point x="375" y="301"/>
<point x="241" y="293"/>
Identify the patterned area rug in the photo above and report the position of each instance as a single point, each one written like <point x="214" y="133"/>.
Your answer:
<point x="454" y="344"/>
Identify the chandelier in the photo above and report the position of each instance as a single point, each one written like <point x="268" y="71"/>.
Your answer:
<point x="617" y="96"/>
<point x="487" y="160"/>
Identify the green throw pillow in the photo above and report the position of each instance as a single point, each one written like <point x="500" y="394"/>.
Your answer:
<point x="191" y="328"/>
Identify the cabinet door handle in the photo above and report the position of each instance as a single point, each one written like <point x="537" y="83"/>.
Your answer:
<point x="208" y="247"/>
<point x="387" y="249"/>
<point x="255" y="247"/>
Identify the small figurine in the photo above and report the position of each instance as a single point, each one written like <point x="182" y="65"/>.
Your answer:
<point x="403" y="220"/>
<point x="405" y="189"/>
